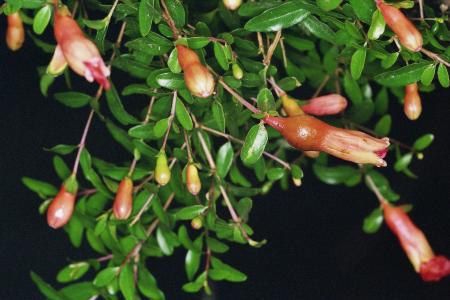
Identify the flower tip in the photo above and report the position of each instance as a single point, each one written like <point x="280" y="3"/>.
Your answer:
<point x="435" y="269"/>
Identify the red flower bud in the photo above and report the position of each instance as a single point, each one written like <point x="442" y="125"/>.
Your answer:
<point x="407" y="33"/>
<point x="325" y="105"/>
<point x="232" y="4"/>
<point x="415" y="244"/>
<point x="412" y="105"/>
<point x="310" y="134"/>
<point x="61" y="208"/>
<point x="197" y="77"/>
<point x="15" y="34"/>
<point x="80" y="53"/>
<point x="123" y="202"/>
<point x="193" y="183"/>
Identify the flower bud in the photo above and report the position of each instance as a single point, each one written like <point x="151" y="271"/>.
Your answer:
<point x="193" y="183"/>
<point x="197" y="77"/>
<point x="15" y="34"/>
<point x="162" y="170"/>
<point x="197" y="223"/>
<point x="310" y="134"/>
<point x="412" y="105"/>
<point x="237" y="71"/>
<point x="325" y="105"/>
<point x="61" y="208"/>
<point x="80" y="53"/>
<point x="407" y="33"/>
<point x="415" y="244"/>
<point x="123" y="202"/>
<point x="232" y="4"/>
<point x="291" y="107"/>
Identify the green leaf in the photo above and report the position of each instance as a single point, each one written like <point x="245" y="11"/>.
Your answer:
<point x="40" y="187"/>
<point x="222" y="271"/>
<point x="334" y="175"/>
<point x="328" y="5"/>
<point x="402" y="76"/>
<point x="266" y="102"/>
<point x="383" y="186"/>
<point x="142" y="131"/>
<point x="219" y="53"/>
<point x="61" y="168"/>
<point x="276" y="18"/>
<point x="146" y="14"/>
<point x="319" y="29"/>
<point x="373" y="221"/>
<point x="47" y="290"/>
<point x="423" y="142"/>
<point x="80" y="291"/>
<point x="163" y="242"/>
<point x="377" y="26"/>
<point x="173" y="63"/>
<point x="254" y="144"/>
<point x="357" y="63"/>
<point x="75" y="230"/>
<point x="62" y="149"/>
<point x="224" y="159"/>
<point x="244" y="207"/>
<point x="73" y="99"/>
<point x="402" y="163"/>
<point x="363" y="9"/>
<point x="116" y="107"/>
<point x="72" y="272"/>
<point x="42" y="19"/>
<point x="218" y="115"/>
<point x="176" y="11"/>
<point x="190" y="212"/>
<point x="170" y="80"/>
<point x="105" y="276"/>
<point x="183" y="115"/>
<point x="352" y="89"/>
<point x="216" y="245"/>
<point x="443" y="78"/>
<point x="126" y="282"/>
<point x="390" y="60"/>
<point x="192" y="263"/>
<point x="383" y="126"/>
<point x="428" y="75"/>
<point x="161" y="127"/>
<point x="120" y="136"/>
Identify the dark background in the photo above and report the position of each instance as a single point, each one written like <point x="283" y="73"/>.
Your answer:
<point x="316" y="248"/>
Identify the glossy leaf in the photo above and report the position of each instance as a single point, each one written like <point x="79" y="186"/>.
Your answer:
<point x="254" y="144"/>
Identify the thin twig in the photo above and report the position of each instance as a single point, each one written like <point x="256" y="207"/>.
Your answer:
<point x="321" y="86"/>
<point x="239" y="98"/>
<point x="260" y="45"/>
<point x="272" y="48"/>
<point x="171" y="117"/>
<point x="435" y="57"/>
<point x="169" y="20"/>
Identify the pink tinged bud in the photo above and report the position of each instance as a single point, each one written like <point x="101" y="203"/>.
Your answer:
<point x="310" y="134"/>
<point x="58" y="63"/>
<point x="415" y="245"/>
<point x="232" y="4"/>
<point x="15" y="33"/>
<point x="123" y="202"/>
<point x="412" y="105"/>
<point x="80" y="53"/>
<point x="406" y="32"/>
<point x="61" y="208"/>
<point x="325" y="105"/>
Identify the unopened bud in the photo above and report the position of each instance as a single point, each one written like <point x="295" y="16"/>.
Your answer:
<point x="325" y="105"/>
<point x="237" y="71"/>
<point x="193" y="183"/>
<point x="291" y="107"/>
<point x="162" y="171"/>
<point x="412" y="105"/>
<point x="15" y="34"/>
<point x="61" y="208"/>
<point x="197" y="223"/>
<point x="123" y="202"/>
<point x="297" y="181"/>
<point x="232" y="4"/>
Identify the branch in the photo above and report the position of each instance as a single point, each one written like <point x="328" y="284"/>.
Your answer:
<point x="170" y="21"/>
<point x="239" y="98"/>
<point x="272" y="48"/>
<point x="172" y="115"/>
<point x="435" y="57"/>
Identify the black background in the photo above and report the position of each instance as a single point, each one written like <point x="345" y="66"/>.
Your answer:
<point x="316" y="248"/>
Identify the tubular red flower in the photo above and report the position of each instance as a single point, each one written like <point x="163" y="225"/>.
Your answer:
<point x="310" y="134"/>
<point x="407" y="33"/>
<point x="61" y="208"/>
<point x="412" y="105"/>
<point x="80" y="53"/>
<point x="325" y="105"/>
<point x="15" y="33"/>
<point x="197" y="77"/>
<point x="123" y="202"/>
<point x="415" y="244"/>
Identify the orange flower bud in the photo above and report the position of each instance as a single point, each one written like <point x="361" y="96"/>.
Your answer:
<point x="193" y="183"/>
<point x="197" y="77"/>
<point x="291" y="107"/>
<point x="407" y="33"/>
<point x="412" y="105"/>
<point x="325" y="105"/>
<point x="232" y="4"/>
<point x="15" y="34"/>
<point x="310" y="134"/>
<point x="197" y="223"/>
<point x="415" y="244"/>
<point x="123" y="202"/>
<point x="61" y="208"/>
<point x="162" y="170"/>
<point x="80" y="53"/>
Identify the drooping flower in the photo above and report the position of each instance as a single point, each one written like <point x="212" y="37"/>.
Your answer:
<point x="197" y="77"/>
<point x="310" y="134"/>
<point x="325" y="105"/>
<point x="412" y="105"/>
<point x="406" y="32"/>
<point x="80" y="53"/>
<point x="15" y="33"/>
<point x="415" y="244"/>
<point x="193" y="183"/>
<point x="123" y="202"/>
